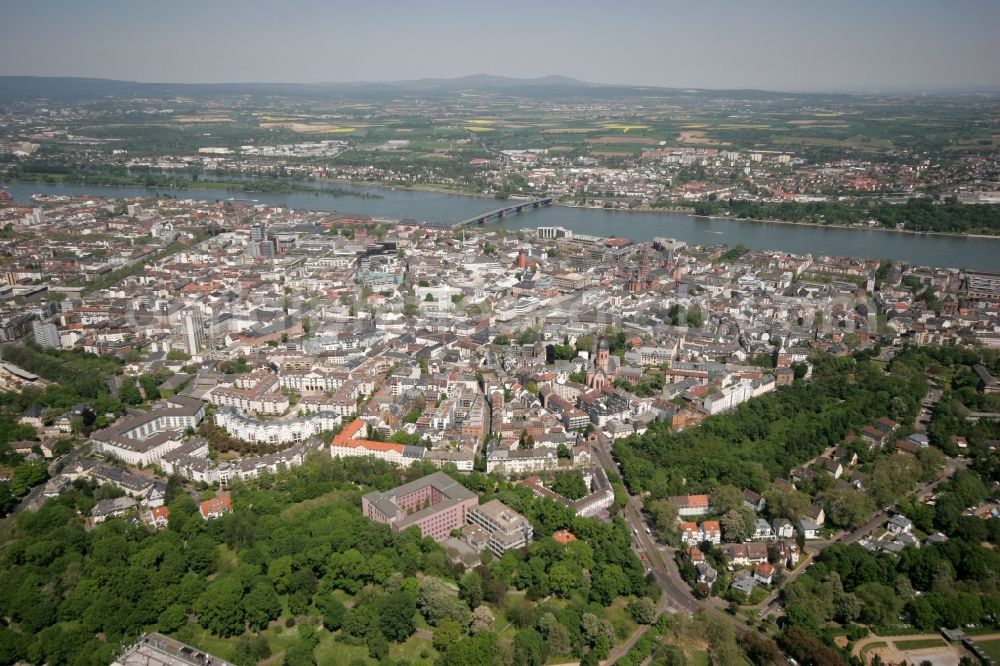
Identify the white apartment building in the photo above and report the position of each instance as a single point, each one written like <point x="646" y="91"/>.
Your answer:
<point x="521" y="461"/>
<point x="729" y="397"/>
<point x="653" y="356"/>
<point x="314" y="380"/>
<point x="278" y="431"/>
<point x="248" y="401"/>
<point x="191" y="331"/>
<point x="144" y="439"/>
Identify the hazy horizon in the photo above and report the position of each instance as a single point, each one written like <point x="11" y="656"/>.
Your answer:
<point x="892" y="45"/>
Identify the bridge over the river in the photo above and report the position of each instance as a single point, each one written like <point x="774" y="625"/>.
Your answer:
<point x="499" y="213"/>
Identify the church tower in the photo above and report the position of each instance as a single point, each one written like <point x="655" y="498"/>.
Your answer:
<point x="603" y="351"/>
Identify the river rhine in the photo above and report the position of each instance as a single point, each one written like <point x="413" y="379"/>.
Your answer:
<point x="439" y="207"/>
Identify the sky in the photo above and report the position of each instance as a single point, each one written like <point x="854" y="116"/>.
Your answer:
<point x="790" y="45"/>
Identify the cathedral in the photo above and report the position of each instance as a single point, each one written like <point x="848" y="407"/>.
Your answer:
<point x="600" y="375"/>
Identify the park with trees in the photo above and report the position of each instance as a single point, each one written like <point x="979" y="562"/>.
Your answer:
<point x="764" y="438"/>
<point x="296" y="571"/>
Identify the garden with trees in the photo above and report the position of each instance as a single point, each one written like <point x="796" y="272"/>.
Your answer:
<point x="297" y="571"/>
<point x="764" y="438"/>
<point x="916" y="214"/>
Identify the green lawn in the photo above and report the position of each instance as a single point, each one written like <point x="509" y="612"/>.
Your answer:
<point x="219" y="647"/>
<point x="758" y="595"/>
<point x="412" y="649"/>
<point x="920" y="644"/>
<point x="991" y="648"/>
<point x="277" y="636"/>
<point x="343" y="597"/>
<point x="330" y="651"/>
<point x="227" y="559"/>
<point x="620" y="619"/>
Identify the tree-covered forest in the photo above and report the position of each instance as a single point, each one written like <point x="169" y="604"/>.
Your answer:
<point x="764" y="438"/>
<point x="118" y="176"/>
<point x="297" y="569"/>
<point x="915" y="215"/>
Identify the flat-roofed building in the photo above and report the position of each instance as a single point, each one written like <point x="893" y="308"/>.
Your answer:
<point x="508" y="529"/>
<point x="159" y="650"/>
<point x="982" y="286"/>
<point x="436" y="504"/>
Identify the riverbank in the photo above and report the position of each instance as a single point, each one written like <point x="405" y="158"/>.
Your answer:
<point x="246" y="186"/>
<point x="727" y="218"/>
<point x="441" y="207"/>
<point x="419" y="187"/>
<point x="301" y="186"/>
<point x="851" y="227"/>
<point x="679" y="210"/>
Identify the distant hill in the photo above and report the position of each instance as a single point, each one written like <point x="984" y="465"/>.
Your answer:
<point x="68" y="89"/>
<point x="490" y="81"/>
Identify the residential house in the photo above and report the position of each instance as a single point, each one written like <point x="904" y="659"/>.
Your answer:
<point x="786" y="552"/>
<point x="690" y="533"/>
<point x="756" y="552"/>
<point x="744" y="583"/>
<point x="845" y="456"/>
<point x="215" y="508"/>
<point x="157" y="517"/>
<point x="885" y="425"/>
<point x="764" y="573"/>
<point x="937" y="537"/>
<point x="809" y="529"/>
<point x="816" y="514"/>
<point x="706" y="574"/>
<point x="694" y="554"/>
<point x="736" y="555"/>
<point x="711" y="531"/>
<point x="754" y="501"/>
<point x="692" y="505"/>
<point x="762" y="530"/>
<point x="831" y="466"/>
<point x="782" y="528"/>
<point x="874" y="437"/>
<point x="802" y="475"/>
<point x="899" y="524"/>
<point x="113" y="508"/>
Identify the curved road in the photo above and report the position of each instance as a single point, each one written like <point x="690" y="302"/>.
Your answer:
<point x="677" y="595"/>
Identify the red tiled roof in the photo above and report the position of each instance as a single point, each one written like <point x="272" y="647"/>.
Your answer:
<point x="215" y="505"/>
<point x="346" y="437"/>
<point x="563" y="537"/>
<point x="693" y="501"/>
